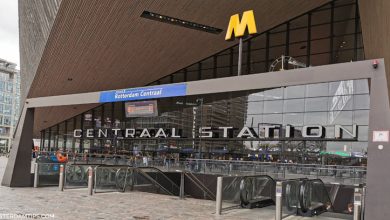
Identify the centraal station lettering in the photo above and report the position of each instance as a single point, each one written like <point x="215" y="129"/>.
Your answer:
<point x="268" y="131"/>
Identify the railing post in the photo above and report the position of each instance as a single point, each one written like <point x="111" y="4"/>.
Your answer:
<point x="278" y="202"/>
<point x="363" y="207"/>
<point x="182" y="185"/>
<point x="90" y="181"/>
<point x="36" y="175"/>
<point x="357" y="204"/>
<point x="61" y="183"/>
<point x="218" y="201"/>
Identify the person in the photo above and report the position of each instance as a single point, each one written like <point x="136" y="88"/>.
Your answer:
<point x="145" y="160"/>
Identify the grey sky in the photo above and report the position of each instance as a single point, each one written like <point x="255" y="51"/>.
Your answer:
<point x="9" y="31"/>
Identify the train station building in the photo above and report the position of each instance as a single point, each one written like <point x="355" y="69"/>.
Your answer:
<point x="307" y="85"/>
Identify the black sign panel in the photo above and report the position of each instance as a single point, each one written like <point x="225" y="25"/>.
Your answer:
<point x="141" y="109"/>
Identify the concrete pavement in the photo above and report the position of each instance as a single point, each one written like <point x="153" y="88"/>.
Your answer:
<point x="49" y="202"/>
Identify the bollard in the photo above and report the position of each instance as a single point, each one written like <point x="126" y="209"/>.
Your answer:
<point x="278" y="203"/>
<point x="357" y="203"/>
<point x="90" y="180"/>
<point x="182" y="185"/>
<point x="218" y="207"/>
<point x="36" y="175"/>
<point x="61" y="183"/>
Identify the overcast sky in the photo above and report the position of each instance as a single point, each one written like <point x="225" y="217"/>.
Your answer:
<point x="9" y="31"/>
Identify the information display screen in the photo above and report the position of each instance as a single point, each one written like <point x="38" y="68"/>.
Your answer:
<point x="141" y="109"/>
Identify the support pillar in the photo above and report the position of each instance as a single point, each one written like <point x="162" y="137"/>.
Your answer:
<point x="18" y="170"/>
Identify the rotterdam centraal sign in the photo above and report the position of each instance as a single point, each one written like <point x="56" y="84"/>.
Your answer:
<point x="267" y="131"/>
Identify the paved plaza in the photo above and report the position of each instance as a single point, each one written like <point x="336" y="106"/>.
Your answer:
<point x="76" y="204"/>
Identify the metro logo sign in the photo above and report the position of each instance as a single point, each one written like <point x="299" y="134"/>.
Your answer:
<point x="239" y="27"/>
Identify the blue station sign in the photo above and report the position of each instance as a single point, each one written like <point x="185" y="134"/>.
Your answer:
<point x="151" y="92"/>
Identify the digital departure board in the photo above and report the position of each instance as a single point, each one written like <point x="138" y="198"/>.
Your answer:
<point x="141" y="109"/>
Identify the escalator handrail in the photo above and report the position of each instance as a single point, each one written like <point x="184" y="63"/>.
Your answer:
<point x="302" y="193"/>
<point x="200" y="185"/>
<point x="254" y="176"/>
<point x="236" y="177"/>
<point x="153" y="180"/>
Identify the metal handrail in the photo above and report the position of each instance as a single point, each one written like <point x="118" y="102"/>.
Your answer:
<point x="154" y="181"/>
<point x="200" y="185"/>
<point x="163" y="174"/>
<point x="273" y="182"/>
<point x="304" y="184"/>
<point x="275" y="163"/>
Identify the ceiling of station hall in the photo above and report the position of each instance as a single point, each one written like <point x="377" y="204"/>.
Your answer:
<point x="103" y="45"/>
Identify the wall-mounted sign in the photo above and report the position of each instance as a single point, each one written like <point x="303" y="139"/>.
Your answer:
<point x="380" y="136"/>
<point x="266" y="132"/>
<point x="152" y="92"/>
<point x="239" y="27"/>
<point x="141" y="109"/>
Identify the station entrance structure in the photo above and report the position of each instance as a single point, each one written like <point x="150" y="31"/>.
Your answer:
<point x="18" y="168"/>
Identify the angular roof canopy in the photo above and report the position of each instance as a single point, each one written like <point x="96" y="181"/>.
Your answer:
<point x="104" y="45"/>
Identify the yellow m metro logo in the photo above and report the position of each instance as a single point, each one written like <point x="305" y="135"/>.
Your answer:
<point x="247" y="20"/>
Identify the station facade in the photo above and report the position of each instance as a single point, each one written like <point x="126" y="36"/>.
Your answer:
<point x="343" y="103"/>
<point x="312" y="87"/>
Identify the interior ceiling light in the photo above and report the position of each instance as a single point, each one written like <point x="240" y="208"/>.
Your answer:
<point x="179" y="22"/>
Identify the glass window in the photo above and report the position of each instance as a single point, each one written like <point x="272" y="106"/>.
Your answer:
<point x="107" y="115"/>
<point x="320" y="89"/>
<point x="361" y="102"/>
<point x="178" y="77"/>
<point x="360" y="147"/>
<point x="193" y="72"/>
<point x="363" y="133"/>
<point x="118" y="114"/>
<point x="273" y="94"/>
<point x="69" y="135"/>
<point x="273" y="118"/>
<point x="341" y="88"/>
<point x="295" y="119"/>
<point x="255" y="107"/>
<point x="338" y="146"/>
<point x="294" y="105"/>
<point x="60" y="137"/>
<point x="294" y="92"/>
<point x="320" y="31"/>
<point x="316" y="118"/>
<point x="344" y="12"/>
<point x="88" y="120"/>
<point x="273" y="106"/>
<point x="316" y="104"/>
<point x="361" y="117"/>
<point x="340" y="103"/>
<point x="320" y="17"/>
<point x="320" y="46"/>
<point x="277" y="39"/>
<point x="7" y="109"/>
<point x="258" y="96"/>
<point x="340" y="117"/>
<point x="253" y="120"/>
<point x="361" y="86"/>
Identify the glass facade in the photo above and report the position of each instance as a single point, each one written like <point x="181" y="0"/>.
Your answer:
<point x="344" y="103"/>
<point x="329" y="34"/>
<point x="9" y="102"/>
<point x="326" y="35"/>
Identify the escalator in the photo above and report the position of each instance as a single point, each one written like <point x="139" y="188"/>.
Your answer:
<point x="254" y="191"/>
<point x="126" y="178"/>
<point x="305" y="197"/>
<point x="161" y="178"/>
<point x="200" y="185"/>
<point x="257" y="191"/>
